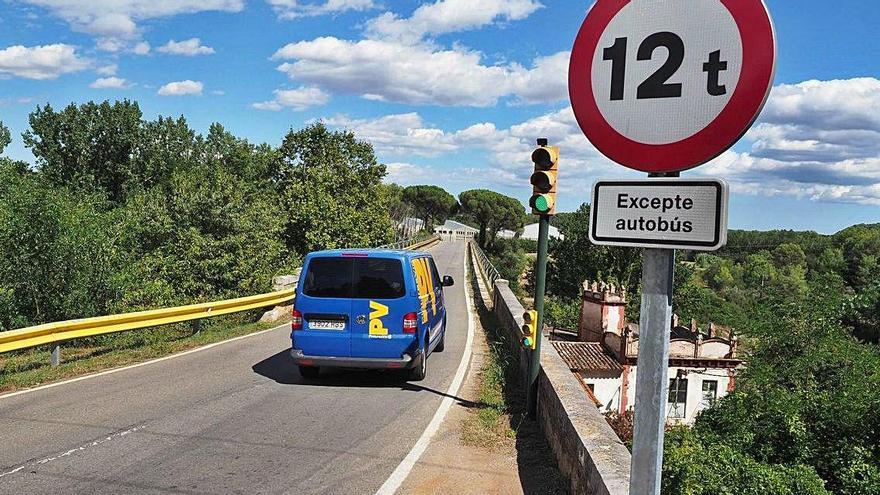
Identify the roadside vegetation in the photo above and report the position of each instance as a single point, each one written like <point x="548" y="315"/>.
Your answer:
<point x="803" y="417"/>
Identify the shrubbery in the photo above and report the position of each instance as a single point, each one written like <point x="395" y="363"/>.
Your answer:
<point x="122" y="214"/>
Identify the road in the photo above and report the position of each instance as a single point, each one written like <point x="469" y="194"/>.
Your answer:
<point x="236" y="418"/>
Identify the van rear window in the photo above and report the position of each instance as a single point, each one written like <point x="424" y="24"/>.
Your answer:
<point x="359" y="278"/>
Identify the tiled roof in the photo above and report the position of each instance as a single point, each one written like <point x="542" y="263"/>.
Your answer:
<point x="586" y="356"/>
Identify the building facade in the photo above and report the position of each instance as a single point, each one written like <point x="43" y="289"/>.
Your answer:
<point x="604" y="356"/>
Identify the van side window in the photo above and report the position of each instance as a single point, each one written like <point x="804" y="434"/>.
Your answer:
<point x="437" y="280"/>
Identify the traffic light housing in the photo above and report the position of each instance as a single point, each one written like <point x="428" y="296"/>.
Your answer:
<point x="529" y="338"/>
<point x="546" y="160"/>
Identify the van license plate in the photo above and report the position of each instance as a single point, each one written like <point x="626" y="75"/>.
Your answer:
<point x="326" y="325"/>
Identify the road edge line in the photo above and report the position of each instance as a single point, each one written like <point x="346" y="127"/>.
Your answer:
<point x="138" y="365"/>
<point x="400" y="473"/>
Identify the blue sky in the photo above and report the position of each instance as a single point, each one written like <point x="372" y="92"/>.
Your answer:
<point x="451" y="93"/>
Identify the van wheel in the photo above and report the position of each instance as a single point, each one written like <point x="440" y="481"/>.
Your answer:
<point x="310" y="372"/>
<point x="418" y="373"/>
<point x="442" y="344"/>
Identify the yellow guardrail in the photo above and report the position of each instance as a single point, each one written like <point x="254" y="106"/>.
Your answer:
<point x="50" y="333"/>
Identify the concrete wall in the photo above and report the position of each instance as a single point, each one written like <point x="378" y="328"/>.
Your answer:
<point x="587" y="449"/>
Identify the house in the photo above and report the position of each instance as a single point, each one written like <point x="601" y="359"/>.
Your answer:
<point x="604" y="357"/>
<point x="531" y="232"/>
<point x="506" y="234"/>
<point x="455" y="231"/>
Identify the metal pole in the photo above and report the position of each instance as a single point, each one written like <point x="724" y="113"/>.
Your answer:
<point x="540" y="279"/>
<point x="652" y="379"/>
<point x="55" y="359"/>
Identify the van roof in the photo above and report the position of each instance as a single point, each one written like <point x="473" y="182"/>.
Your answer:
<point x="372" y="252"/>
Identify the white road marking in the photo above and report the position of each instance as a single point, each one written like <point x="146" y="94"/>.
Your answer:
<point x="45" y="460"/>
<point x="138" y="365"/>
<point x="403" y="469"/>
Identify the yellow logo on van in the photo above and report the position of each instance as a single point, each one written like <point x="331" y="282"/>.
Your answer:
<point x="377" y="312"/>
<point x="425" y="285"/>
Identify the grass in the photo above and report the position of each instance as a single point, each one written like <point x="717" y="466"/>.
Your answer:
<point x="30" y="368"/>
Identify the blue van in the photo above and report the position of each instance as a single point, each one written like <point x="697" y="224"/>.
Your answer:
<point x="368" y="309"/>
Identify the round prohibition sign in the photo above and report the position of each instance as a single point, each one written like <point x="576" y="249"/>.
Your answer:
<point x="663" y="85"/>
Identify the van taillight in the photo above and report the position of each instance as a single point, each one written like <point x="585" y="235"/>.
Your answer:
<point x="409" y="323"/>
<point x="296" y="323"/>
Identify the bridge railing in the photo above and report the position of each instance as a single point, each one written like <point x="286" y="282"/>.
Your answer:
<point x="487" y="269"/>
<point x="54" y="333"/>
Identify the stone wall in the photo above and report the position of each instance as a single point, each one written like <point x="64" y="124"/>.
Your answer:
<point x="587" y="449"/>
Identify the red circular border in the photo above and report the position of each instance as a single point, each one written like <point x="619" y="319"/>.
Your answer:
<point x="756" y="78"/>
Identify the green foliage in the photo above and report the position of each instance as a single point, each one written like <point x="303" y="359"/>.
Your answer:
<point x="5" y="137"/>
<point x="576" y="259"/>
<point x="562" y="312"/>
<point x="123" y="214"/>
<point x="430" y="203"/>
<point x="492" y="211"/>
<point x="692" y="466"/>
<point x="93" y="147"/>
<point x="207" y="235"/>
<point x="510" y="260"/>
<point x="59" y="251"/>
<point x="330" y="186"/>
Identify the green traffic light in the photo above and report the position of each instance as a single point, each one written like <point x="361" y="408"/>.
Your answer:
<point x="542" y="203"/>
<point x="527" y="342"/>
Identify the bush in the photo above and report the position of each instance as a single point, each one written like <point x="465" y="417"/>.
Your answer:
<point x="562" y="313"/>
<point x="691" y="467"/>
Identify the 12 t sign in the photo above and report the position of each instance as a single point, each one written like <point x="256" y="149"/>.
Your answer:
<point x="661" y="85"/>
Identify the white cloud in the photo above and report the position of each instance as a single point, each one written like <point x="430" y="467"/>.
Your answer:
<point x="818" y="140"/>
<point x="293" y="9"/>
<point x="118" y="18"/>
<point x="107" y="70"/>
<point x="447" y="16"/>
<point x="180" y="88"/>
<point x="419" y="74"/>
<point x="218" y="92"/>
<point x="110" y="83"/>
<point x="188" y="48"/>
<point x="41" y="62"/>
<point x="141" y="48"/>
<point x="298" y="99"/>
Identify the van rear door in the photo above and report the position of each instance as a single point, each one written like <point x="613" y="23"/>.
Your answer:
<point x="378" y="307"/>
<point x="325" y="303"/>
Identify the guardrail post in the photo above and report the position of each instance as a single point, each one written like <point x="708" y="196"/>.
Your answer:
<point x="55" y="360"/>
<point x="196" y="327"/>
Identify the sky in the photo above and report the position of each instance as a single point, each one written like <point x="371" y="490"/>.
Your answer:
<point x="451" y="93"/>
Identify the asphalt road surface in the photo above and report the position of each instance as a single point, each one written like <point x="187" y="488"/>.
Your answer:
<point x="236" y="418"/>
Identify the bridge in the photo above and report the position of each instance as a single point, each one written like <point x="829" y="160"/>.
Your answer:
<point x="236" y="416"/>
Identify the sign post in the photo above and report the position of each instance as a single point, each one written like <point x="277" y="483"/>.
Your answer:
<point x="664" y="86"/>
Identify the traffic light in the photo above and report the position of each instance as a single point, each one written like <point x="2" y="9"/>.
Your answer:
<point x="530" y="337"/>
<point x="546" y="160"/>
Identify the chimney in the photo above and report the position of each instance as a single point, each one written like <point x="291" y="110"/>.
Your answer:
<point x="603" y="309"/>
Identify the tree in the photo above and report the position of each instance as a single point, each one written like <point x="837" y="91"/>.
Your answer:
<point x="90" y="147"/>
<point x="207" y="235"/>
<point x="430" y="203"/>
<point x="576" y="259"/>
<point x="492" y="211"/>
<point x="330" y="186"/>
<point x="5" y="137"/>
<point x="60" y="251"/>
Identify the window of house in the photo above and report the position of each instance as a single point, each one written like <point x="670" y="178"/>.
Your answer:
<point x="678" y="389"/>
<point x="710" y="393"/>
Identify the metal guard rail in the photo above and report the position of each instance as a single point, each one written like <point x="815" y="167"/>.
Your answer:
<point x="486" y="266"/>
<point x="51" y="333"/>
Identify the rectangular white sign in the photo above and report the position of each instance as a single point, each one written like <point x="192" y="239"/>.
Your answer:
<point x="660" y="213"/>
